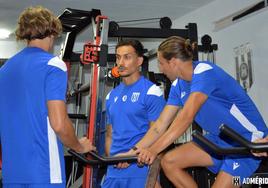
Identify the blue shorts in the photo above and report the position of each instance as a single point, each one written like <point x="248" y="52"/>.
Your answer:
<point x="41" y="185"/>
<point x="132" y="182"/>
<point x="235" y="165"/>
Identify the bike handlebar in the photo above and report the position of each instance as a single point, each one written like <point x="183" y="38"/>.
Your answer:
<point x="245" y="149"/>
<point x="100" y="160"/>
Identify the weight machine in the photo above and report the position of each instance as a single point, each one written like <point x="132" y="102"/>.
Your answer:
<point x="207" y="49"/>
<point x="95" y="54"/>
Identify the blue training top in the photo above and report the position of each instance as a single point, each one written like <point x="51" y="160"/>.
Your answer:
<point x="227" y="102"/>
<point x="31" y="151"/>
<point x="130" y="109"/>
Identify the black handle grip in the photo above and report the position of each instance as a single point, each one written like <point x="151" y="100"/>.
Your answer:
<point x="259" y="147"/>
<point x="113" y="160"/>
<point x="82" y="158"/>
<point x="218" y="150"/>
<point x="100" y="160"/>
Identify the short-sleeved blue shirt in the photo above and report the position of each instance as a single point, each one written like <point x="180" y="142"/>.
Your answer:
<point x="130" y="109"/>
<point x="227" y="102"/>
<point x="31" y="151"/>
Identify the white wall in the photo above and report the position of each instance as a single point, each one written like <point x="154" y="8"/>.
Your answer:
<point x="9" y="48"/>
<point x="252" y="29"/>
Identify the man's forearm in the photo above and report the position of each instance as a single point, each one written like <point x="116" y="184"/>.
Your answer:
<point x="108" y="139"/>
<point x="176" y="129"/>
<point x="158" y="127"/>
<point x="68" y="137"/>
<point x="150" y="137"/>
<point x="107" y="146"/>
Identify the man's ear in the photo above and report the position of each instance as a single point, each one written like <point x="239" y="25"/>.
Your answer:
<point x="172" y="61"/>
<point x="140" y="61"/>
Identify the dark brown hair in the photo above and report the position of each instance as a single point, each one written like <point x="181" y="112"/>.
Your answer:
<point x="177" y="47"/>
<point x="134" y="43"/>
<point x="37" y="23"/>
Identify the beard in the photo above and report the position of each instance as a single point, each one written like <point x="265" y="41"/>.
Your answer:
<point x="121" y="69"/>
<point x="124" y="76"/>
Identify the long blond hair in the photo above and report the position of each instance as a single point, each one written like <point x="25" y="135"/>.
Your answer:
<point x="37" y="23"/>
<point x="177" y="47"/>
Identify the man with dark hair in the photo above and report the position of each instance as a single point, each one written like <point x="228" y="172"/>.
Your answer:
<point x="33" y="118"/>
<point x="131" y="109"/>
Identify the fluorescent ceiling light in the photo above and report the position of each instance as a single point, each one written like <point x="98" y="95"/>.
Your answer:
<point x="4" y="33"/>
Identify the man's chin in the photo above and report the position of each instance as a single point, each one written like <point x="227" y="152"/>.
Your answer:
<point x="170" y="78"/>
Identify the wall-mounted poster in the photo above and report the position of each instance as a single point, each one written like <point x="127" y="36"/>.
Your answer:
<point x="243" y="63"/>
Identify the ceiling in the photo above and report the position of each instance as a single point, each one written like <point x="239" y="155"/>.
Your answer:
<point x="116" y="10"/>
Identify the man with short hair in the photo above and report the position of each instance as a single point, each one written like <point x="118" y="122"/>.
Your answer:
<point x="131" y="108"/>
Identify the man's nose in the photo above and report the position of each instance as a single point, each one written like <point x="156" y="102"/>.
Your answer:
<point x="120" y="62"/>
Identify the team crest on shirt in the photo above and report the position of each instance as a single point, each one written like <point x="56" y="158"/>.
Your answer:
<point x="135" y="96"/>
<point x="115" y="99"/>
<point x="124" y="98"/>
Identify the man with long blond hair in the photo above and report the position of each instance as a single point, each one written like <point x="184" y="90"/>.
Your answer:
<point x="204" y="92"/>
<point x="34" y="123"/>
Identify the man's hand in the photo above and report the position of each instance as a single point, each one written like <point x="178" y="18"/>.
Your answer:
<point x="126" y="154"/>
<point x="146" y="156"/>
<point x="86" y="145"/>
<point x="261" y="154"/>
